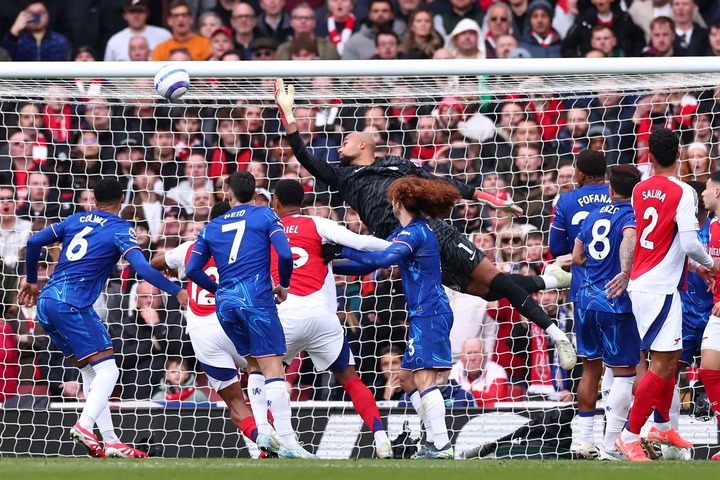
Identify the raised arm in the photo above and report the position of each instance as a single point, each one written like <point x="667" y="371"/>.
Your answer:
<point x="194" y="271"/>
<point x="340" y="235"/>
<point x="390" y="256"/>
<point x="146" y="271"/>
<point x="318" y="167"/>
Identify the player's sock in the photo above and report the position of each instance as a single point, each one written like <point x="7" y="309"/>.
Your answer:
<point x="533" y="283"/>
<point x="278" y="402"/>
<point x="365" y="405"/>
<point x="606" y="384"/>
<point x="258" y="402"/>
<point x="664" y="403"/>
<point x="675" y="408"/>
<point x="249" y="428"/>
<point x="434" y="404"/>
<point x="617" y="406"/>
<point x="104" y="420"/>
<point x="420" y="409"/>
<point x="711" y="380"/>
<point x="502" y="286"/>
<point x="96" y="400"/>
<point x="586" y="422"/>
<point x="647" y="396"/>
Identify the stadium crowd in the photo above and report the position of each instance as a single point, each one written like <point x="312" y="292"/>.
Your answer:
<point x="172" y="160"/>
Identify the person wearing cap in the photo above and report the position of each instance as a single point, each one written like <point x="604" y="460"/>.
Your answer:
<point x="136" y="14"/>
<point x="539" y="38"/>
<point x="460" y="10"/>
<point x="180" y="21"/>
<point x="264" y="48"/>
<point x="465" y="41"/>
<point x="221" y="41"/>
<point x="631" y="38"/>
<point x="303" y="23"/>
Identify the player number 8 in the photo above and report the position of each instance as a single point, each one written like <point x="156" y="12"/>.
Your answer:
<point x="600" y="231"/>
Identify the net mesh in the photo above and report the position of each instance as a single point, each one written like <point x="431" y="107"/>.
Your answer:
<point x="515" y="137"/>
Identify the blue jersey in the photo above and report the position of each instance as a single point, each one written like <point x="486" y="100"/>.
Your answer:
<point x="92" y="244"/>
<point x="571" y="209"/>
<point x="420" y="271"/>
<point x="601" y="235"/>
<point x="239" y="241"/>
<point x="697" y="301"/>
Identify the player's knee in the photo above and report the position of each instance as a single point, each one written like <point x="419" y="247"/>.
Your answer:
<point x="108" y="368"/>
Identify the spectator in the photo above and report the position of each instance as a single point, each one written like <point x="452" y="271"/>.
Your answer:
<point x="264" y="48"/>
<point x="274" y="21"/>
<point x="690" y="38"/>
<point x="244" y="23"/>
<point x="195" y="178"/>
<point x="9" y="362"/>
<point x="603" y="40"/>
<point x="630" y="36"/>
<point x="565" y="13"/>
<point x="14" y="233"/>
<point x="361" y="44"/>
<point x="303" y="47"/>
<point x="459" y="10"/>
<point x="136" y="15"/>
<point x="539" y="38"/>
<point x="139" y="49"/>
<point x="18" y="163"/>
<point x="645" y="11"/>
<point x="519" y="15"/>
<point x="613" y="114"/>
<point x="498" y="24"/>
<point x="387" y="46"/>
<point x="303" y="22"/>
<point x="209" y="22"/>
<point x="232" y="152"/>
<point x="144" y="204"/>
<point x="662" y="38"/>
<point x="510" y="248"/>
<point x="340" y="25"/>
<point x="387" y="385"/>
<point x="30" y="40"/>
<point x="223" y="10"/>
<point x="162" y="150"/>
<point x="455" y="396"/>
<point x="504" y="45"/>
<point x="180" y="22"/>
<point x="221" y="42"/>
<point x="179" y="384"/>
<point x="232" y="56"/>
<point x="695" y="163"/>
<point x="465" y="40"/>
<point x="420" y="40"/>
<point x="573" y="138"/>
<point x="40" y="203"/>
<point x="714" y="39"/>
<point x="482" y="377"/>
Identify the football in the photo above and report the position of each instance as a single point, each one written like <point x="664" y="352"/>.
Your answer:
<point x="172" y="82"/>
<point x="674" y="453"/>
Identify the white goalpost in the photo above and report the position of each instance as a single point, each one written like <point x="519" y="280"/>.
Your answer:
<point x="510" y="126"/>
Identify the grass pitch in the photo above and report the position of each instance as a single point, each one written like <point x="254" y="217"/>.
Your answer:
<point x="219" y="469"/>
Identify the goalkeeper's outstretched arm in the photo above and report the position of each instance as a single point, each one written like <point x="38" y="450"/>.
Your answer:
<point x="317" y="167"/>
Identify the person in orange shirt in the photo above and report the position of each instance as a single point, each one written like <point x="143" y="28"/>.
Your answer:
<point x="180" y="22"/>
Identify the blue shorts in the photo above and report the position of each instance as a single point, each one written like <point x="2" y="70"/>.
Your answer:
<point x="428" y="344"/>
<point x="77" y="332"/>
<point x="692" y="332"/>
<point x="614" y="336"/>
<point x="255" y="331"/>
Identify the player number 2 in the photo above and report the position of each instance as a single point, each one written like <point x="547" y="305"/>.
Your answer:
<point x="600" y="245"/>
<point x="239" y="228"/>
<point x="78" y="246"/>
<point x="652" y="214"/>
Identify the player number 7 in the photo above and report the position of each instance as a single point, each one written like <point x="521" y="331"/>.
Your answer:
<point x="239" y="228"/>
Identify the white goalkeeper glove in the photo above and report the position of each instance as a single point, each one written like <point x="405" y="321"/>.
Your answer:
<point x="285" y="101"/>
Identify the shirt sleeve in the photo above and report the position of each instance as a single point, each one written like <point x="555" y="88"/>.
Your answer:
<point x="686" y="216"/>
<point x="628" y="220"/>
<point x="126" y="238"/>
<point x="333" y="232"/>
<point x="274" y="224"/>
<point x="411" y="237"/>
<point x="175" y="258"/>
<point x="583" y="233"/>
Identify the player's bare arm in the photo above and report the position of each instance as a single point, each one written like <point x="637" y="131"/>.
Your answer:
<point x="618" y="285"/>
<point x="578" y="254"/>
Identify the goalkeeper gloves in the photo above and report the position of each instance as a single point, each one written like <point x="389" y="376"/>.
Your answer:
<point x="285" y="101"/>
<point x="331" y="251"/>
<point x="492" y="201"/>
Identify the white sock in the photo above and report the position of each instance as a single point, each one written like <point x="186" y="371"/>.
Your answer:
<point x="550" y="281"/>
<point x="420" y="409"/>
<point x="606" y="384"/>
<point x="555" y="333"/>
<point x="586" y="422"/>
<point x="104" y="421"/>
<point x="627" y="436"/>
<point x="278" y="401"/>
<point x="258" y="403"/>
<point x="617" y="407"/>
<point x="434" y="404"/>
<point x="675" y="409"/>
<point x="99" y="391"/>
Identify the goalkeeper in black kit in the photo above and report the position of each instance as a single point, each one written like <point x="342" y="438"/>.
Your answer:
<point x="363" y="180"/>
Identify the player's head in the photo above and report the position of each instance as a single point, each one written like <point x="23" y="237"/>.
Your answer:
<point x="590" y="166"/>
<point x="420" y="196"/>
<point x="288" y="193"/>
<point x="357" y="145"/>
<point x="108" y="192"/>
<point x="220" y="208"/>
<point x="664" y="147"/>
<point x="699" y="188"/>
<point x="711" y="195"/>
<point x="242" y="186"/>
<point x="623" y="179"/>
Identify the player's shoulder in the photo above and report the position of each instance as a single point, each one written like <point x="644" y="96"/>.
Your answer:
<point x="390" y="161"/>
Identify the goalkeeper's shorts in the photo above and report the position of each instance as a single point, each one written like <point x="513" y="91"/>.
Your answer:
<point x="458" y="255"/>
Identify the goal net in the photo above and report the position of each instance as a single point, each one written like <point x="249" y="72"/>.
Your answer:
<point x="513" y="135"/>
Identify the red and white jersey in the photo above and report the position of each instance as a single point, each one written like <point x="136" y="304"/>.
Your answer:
<point x="714" y="251"/>
<point x="664" y="207"/>
<point x="201" y="303"/>
<point x="312" y="285"/>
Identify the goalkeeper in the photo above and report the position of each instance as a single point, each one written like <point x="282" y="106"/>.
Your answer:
<point x="363" y="181"/>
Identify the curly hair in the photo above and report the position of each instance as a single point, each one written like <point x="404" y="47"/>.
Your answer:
<point x="433" y="198"/>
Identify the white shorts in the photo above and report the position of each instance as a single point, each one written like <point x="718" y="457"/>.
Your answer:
<point x="711" y="335"/>
<point x="214" y="348"/>
<point x="321" y="336"/>
<point x="659" y="320"/>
